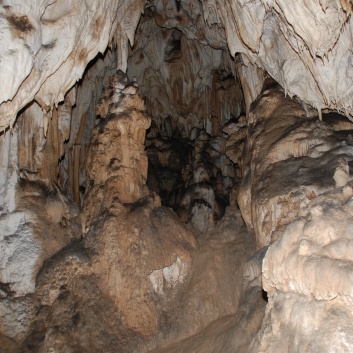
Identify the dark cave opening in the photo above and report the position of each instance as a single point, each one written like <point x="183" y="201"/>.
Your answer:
<point x="196" y="103"/>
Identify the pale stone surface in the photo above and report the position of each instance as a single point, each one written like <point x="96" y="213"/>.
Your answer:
<point x="8" y="171"/>
<point x="169" y="276"/>
<point x="47" y="45"/>
<point x="34" y="233"/>
<point x="137" y="258"/>
<point x="289" y="159"/>
<point x="296" y="323"/>
<point x="313" y="257"/>
<point x="43" y="223"/>
<point x="303" y="45"/>
<point x="297" y="194"/>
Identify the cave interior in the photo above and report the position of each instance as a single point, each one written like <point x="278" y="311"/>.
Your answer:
<point x="176" y="176"/>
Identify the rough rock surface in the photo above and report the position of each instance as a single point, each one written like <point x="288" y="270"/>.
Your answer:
<point x="189" y="84"/>
<point x="228" y="325"/>
<point x="303" y="45"/>
<point x="307" y="277"/>
<point x="48" y="44"/>
<point x="289" y="159"/>
<point x="297" y="194"/>
<point x="30" y="235"/>
<point x="137" y="279"/>
<point x="117" y="145"/>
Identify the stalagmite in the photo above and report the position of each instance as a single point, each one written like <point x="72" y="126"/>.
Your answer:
<point x="176" y="176"/>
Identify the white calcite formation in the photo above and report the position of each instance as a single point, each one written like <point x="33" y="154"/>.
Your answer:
<point x="307" y="276"/>
<point x="297" y="195"/>
<point x="289" y="159"/>
<point x="46" y="46"/>
<point x="303" y="45"/>
<point x="247" y="90"/>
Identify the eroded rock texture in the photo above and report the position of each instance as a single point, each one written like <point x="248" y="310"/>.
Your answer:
<point x="47" y="46"/>
<point x="29" y="236"/>
<point x="187" y="84"/>
<point x="304" y="45"/>
<point x="193" y="93"/>
<point x="290" y="159"/>
<point x="136" y="278"/>
<point x="297" y="193"/>
<point x="116" y="153"/>
<point x="243" y="100"/>
<point x="306" y="274"/>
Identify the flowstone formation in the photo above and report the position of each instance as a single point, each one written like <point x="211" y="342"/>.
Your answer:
<point x="91" y="256"/>
<point x="298" y="199"/>
<point x="290" y="158"/>
<point x="135" y="278"/>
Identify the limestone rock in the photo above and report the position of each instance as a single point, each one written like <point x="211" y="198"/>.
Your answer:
<point x="137" y="279"/>
<point x="304" y="46"/>
<point x="72" y="174"/>
<point x="230" y="324"/>
<point x="290" y="159"/>
<point x="47" y="46"/>
<point x="190" y="84"/>
<point x="144" y="261"/>
<point x="32" y="234"/>
<point x="116" y="154"/>
<point x="306" y="274"/>
<point x="43" y="223"/>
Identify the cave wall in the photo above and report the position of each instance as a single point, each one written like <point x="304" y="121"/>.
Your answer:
<point x="191" y="59"/>
<point x="298" y="199"/>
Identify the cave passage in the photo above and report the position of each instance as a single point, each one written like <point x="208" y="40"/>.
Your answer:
<point x="197" y="107"/>
<point x="175" y="177"/>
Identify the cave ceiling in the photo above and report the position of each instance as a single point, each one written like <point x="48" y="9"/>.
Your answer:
<point x="304" y="45"/>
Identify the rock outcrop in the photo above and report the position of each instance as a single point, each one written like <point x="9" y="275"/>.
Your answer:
<point x="290" y="159"/>
<point x="137" y="277"/>
<point x="296" y="193"/>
